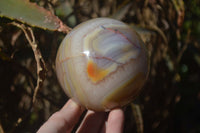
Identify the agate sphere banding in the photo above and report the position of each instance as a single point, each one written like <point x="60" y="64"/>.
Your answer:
<point x="102" y="64"/>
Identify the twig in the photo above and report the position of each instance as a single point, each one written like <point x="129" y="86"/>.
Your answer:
<point x="159" y="31"/>
<point x="180" y="9"/>
<point x="184" y="47"/>
<point x="41" y="68"/>
<point x="138" y="117"/>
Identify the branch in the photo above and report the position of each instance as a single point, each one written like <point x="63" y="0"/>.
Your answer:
<point x="41" y="68"/>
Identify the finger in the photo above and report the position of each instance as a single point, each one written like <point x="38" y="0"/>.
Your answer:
<point x="115" y="123"/>
<point x="92" y="122"/>
<point x="64" y="120"/>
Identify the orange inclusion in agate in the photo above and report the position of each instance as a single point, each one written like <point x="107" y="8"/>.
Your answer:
<point x="94" y="72"/>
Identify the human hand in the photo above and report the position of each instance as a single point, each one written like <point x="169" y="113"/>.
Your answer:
<point x="64" y="121"/>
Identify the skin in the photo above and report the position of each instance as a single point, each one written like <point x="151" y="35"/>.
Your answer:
<point x="65" y="119"/>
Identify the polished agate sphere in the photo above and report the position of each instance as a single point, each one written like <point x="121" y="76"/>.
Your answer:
<point x="102" y="64"/>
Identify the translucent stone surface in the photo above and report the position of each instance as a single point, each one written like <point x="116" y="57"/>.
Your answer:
<point x="102" y="64"/>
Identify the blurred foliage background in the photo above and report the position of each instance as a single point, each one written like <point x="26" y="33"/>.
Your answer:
<point x="170" y="100"/>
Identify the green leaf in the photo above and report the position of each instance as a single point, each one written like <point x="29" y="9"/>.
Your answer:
<point x="32" y="14"/>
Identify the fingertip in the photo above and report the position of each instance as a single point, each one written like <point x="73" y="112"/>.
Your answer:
<point x="117" y="112"/>
<point x="72" y="105"/>
<point x="115" y="122"/>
